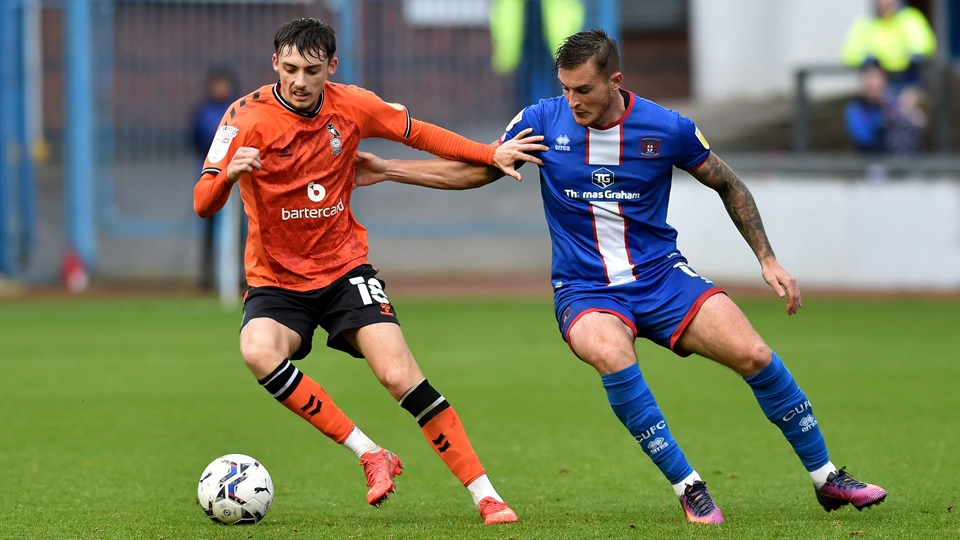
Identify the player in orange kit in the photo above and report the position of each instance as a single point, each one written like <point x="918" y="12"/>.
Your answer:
<point x="292" y="146"/>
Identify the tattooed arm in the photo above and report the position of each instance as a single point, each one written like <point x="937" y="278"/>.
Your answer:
<point x="718" y="176"/>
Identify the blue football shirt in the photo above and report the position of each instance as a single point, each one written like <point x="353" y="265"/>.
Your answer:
<point x="606" y="189"/>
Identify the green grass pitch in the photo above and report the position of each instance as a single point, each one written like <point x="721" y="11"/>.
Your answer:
<point x="110" y="409"/>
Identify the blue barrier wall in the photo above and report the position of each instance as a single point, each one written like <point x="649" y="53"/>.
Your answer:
<point x="17" y="190"/>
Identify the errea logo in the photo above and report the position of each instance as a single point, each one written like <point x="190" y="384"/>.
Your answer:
<point x="602" y="178"/>
<point x="656" y="445"/>
<point x="563" y="144"/>
<point x="807" y="423"/>
<point x="316" y="192"/>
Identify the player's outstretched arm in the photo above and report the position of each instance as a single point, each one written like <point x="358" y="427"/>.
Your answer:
<point x="431" y="173"/>
<point x="446" y="174"/>
<point x="741" y="207"/>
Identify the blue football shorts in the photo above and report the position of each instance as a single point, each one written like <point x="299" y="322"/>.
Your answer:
<point x="658" y="306"/>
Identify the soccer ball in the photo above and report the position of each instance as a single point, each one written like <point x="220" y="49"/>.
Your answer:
<point x="236" y="490"/>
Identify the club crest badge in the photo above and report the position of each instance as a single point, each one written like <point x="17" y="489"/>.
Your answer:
<point x="221" y="143"/>
<point x="651" y="146"/>
<point x="335" y="142"/>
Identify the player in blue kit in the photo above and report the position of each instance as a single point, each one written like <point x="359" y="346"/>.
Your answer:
<point x="617" y="273"/>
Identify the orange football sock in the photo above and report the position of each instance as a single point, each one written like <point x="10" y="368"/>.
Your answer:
<point x="450" y="442"/>
<point x="443" y="429"/>
<point x="308" y="400"/>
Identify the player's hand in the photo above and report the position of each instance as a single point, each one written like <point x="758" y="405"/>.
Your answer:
<point x="244" y="161"/>
<point x="370" y="169"/>
<point x="513" y="153"/>
<point x="783" y="284"/>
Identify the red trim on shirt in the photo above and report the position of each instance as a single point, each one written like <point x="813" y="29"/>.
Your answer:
<point x="626" y="245"/>
<point x="633" y="99"/>
<point x="596" y="240"/>
<point x="697" y="166"/>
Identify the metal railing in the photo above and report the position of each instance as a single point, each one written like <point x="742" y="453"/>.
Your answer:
<point x="939" y="79"/>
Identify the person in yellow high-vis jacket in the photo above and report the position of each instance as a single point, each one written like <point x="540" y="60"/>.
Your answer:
<point x="524" y="38"/>
<point x="897" y="38"/>
<point x="560" y="18"/>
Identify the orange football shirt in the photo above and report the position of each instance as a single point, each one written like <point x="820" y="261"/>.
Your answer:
<point x="302" y="234"/>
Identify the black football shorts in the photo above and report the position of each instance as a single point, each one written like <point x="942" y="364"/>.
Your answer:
<point x="354" y="300"/>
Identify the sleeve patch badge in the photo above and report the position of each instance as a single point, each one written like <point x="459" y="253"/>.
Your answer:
<point x="703" y="140"/>
<point x="221" y="143"/>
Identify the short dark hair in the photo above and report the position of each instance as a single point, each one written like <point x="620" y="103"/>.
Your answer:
<point x="309" y="36"/>
<point x="579" y="48"/>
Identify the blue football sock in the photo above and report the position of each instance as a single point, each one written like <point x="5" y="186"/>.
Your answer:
<point x="635" y="406"/>
<point x="787" y="406"/>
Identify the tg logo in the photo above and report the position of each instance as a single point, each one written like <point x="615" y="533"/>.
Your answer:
<point x="316" y="192"/>
<point x="602" y="178"/>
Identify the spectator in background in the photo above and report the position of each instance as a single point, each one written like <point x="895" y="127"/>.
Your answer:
<point x="220" y="91"/>
<point x="879" y="122"/>
<point x="897" y="38"/>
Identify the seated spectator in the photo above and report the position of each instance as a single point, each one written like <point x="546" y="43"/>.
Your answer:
<point x="896" y="38"/>
<point x="879" y="122"/>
